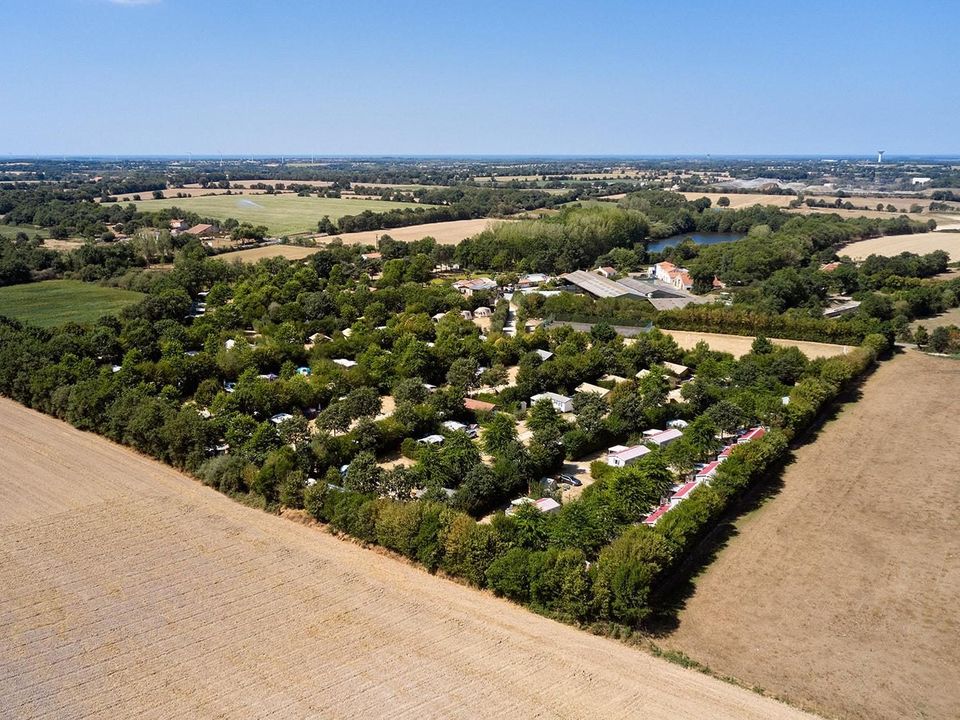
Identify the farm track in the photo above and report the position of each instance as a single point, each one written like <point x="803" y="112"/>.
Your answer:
<point x="840" y="591"/>
<point x="129" y="590"/>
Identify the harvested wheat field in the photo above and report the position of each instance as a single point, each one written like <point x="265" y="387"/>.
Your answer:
<point x="841" y="591"/>
<point x="739" y="345"/>
<point x="445" y="233"/>
<point x="128" y="590"/>
<point x="890" y="245"/>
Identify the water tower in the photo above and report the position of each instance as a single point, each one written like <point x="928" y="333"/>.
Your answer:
<point x="880" y="156"/>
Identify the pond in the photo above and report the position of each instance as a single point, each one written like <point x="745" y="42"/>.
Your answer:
<point x="700" y="238"/>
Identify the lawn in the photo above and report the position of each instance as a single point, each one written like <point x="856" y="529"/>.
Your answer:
<point x="56" y="302"/>
<point x="282" y="214"/>
<point x="10" y="231"/>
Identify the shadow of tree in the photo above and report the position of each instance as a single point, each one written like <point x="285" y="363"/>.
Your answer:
<point x="670" y="595"/>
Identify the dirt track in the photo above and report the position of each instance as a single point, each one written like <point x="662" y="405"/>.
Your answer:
<point x="841" y="591"/>
<point x="128" y="590"/>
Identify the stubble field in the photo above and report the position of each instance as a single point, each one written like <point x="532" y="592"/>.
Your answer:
<point x="891" y="245"/>
<point x="739" y="345"/>
<point x="128" y="590"/>
<point x="445" y="233"/>
<point x="840" y="592"/>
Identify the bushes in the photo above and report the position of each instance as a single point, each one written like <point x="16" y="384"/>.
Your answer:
<point x="625" y="572"/>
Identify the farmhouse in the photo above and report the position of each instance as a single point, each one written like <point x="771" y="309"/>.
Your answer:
<point x="621" y="455"/>
<point x="469" y="287"/>
<point x="561" y="403"/>
<point x="202" y="230"/>
<point x="670" y="274"/>
<point x="606" y="271"/>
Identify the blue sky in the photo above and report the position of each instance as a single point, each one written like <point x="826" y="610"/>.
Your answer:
<point x="452" y="77"/>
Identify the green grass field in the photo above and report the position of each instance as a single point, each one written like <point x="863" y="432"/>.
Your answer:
<point x="10" y="231"/>
<point x="282" y="214"/>
<point x="55" y="302"/>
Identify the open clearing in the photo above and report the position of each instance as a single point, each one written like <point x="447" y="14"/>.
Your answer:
<point x="128" y="590"/>
<point x="55" y="302"/>
<point x="948" y="317"/>
<point x="445" y="233"/>
<point x="282" y="214"/>
<point x="32" y="231"/>
<point x="890" y="245"/>
<point x="742" y="200"/>
<point x="739" y="345"/>
<point x="841" y="591"/>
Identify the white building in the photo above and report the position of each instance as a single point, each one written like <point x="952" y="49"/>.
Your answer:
<point x="620" y="455"/>
<point x="561" y="403"/>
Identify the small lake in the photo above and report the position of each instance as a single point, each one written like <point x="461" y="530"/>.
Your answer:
<point x="700" y="238"/>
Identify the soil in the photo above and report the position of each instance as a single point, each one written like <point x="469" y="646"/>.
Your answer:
<point x="839" y="593"/>
<point x="130" y="590"/>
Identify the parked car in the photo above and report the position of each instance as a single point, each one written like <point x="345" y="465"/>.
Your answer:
<point x="570" y="480"/>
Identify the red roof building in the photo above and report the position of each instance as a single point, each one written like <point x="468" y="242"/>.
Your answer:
<point x="708" y="471"/>
<point x="684" y="492"/>
<point x="478" y="405"/>
<point x="652" y="518"/>
<point x="752" y="434"/>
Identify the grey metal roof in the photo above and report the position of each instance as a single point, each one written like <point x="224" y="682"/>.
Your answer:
<point x="599" y="286"/>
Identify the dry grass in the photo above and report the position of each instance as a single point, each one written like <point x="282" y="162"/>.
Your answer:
<point x="445" y="233"/>
<point x="740" y="344"/>
<point x="950" y="317"/>
<point x="890" y="245"/>
<point x="128" y="590"/>
<point x="840" y="592"/>
<point x="742" y="200"/>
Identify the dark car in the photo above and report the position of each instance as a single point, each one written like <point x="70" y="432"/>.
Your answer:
<point x="570" y="480"/>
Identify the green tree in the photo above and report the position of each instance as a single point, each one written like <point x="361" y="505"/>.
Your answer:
<point x="624" y="574"/>
<point x="500" y="434"/>
<point x="364" y="475"/>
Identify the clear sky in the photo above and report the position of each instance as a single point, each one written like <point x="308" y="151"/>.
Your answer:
<point x="482" y="77"/>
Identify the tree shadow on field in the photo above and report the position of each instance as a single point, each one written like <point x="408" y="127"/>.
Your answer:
<point x="670" y="595"/>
